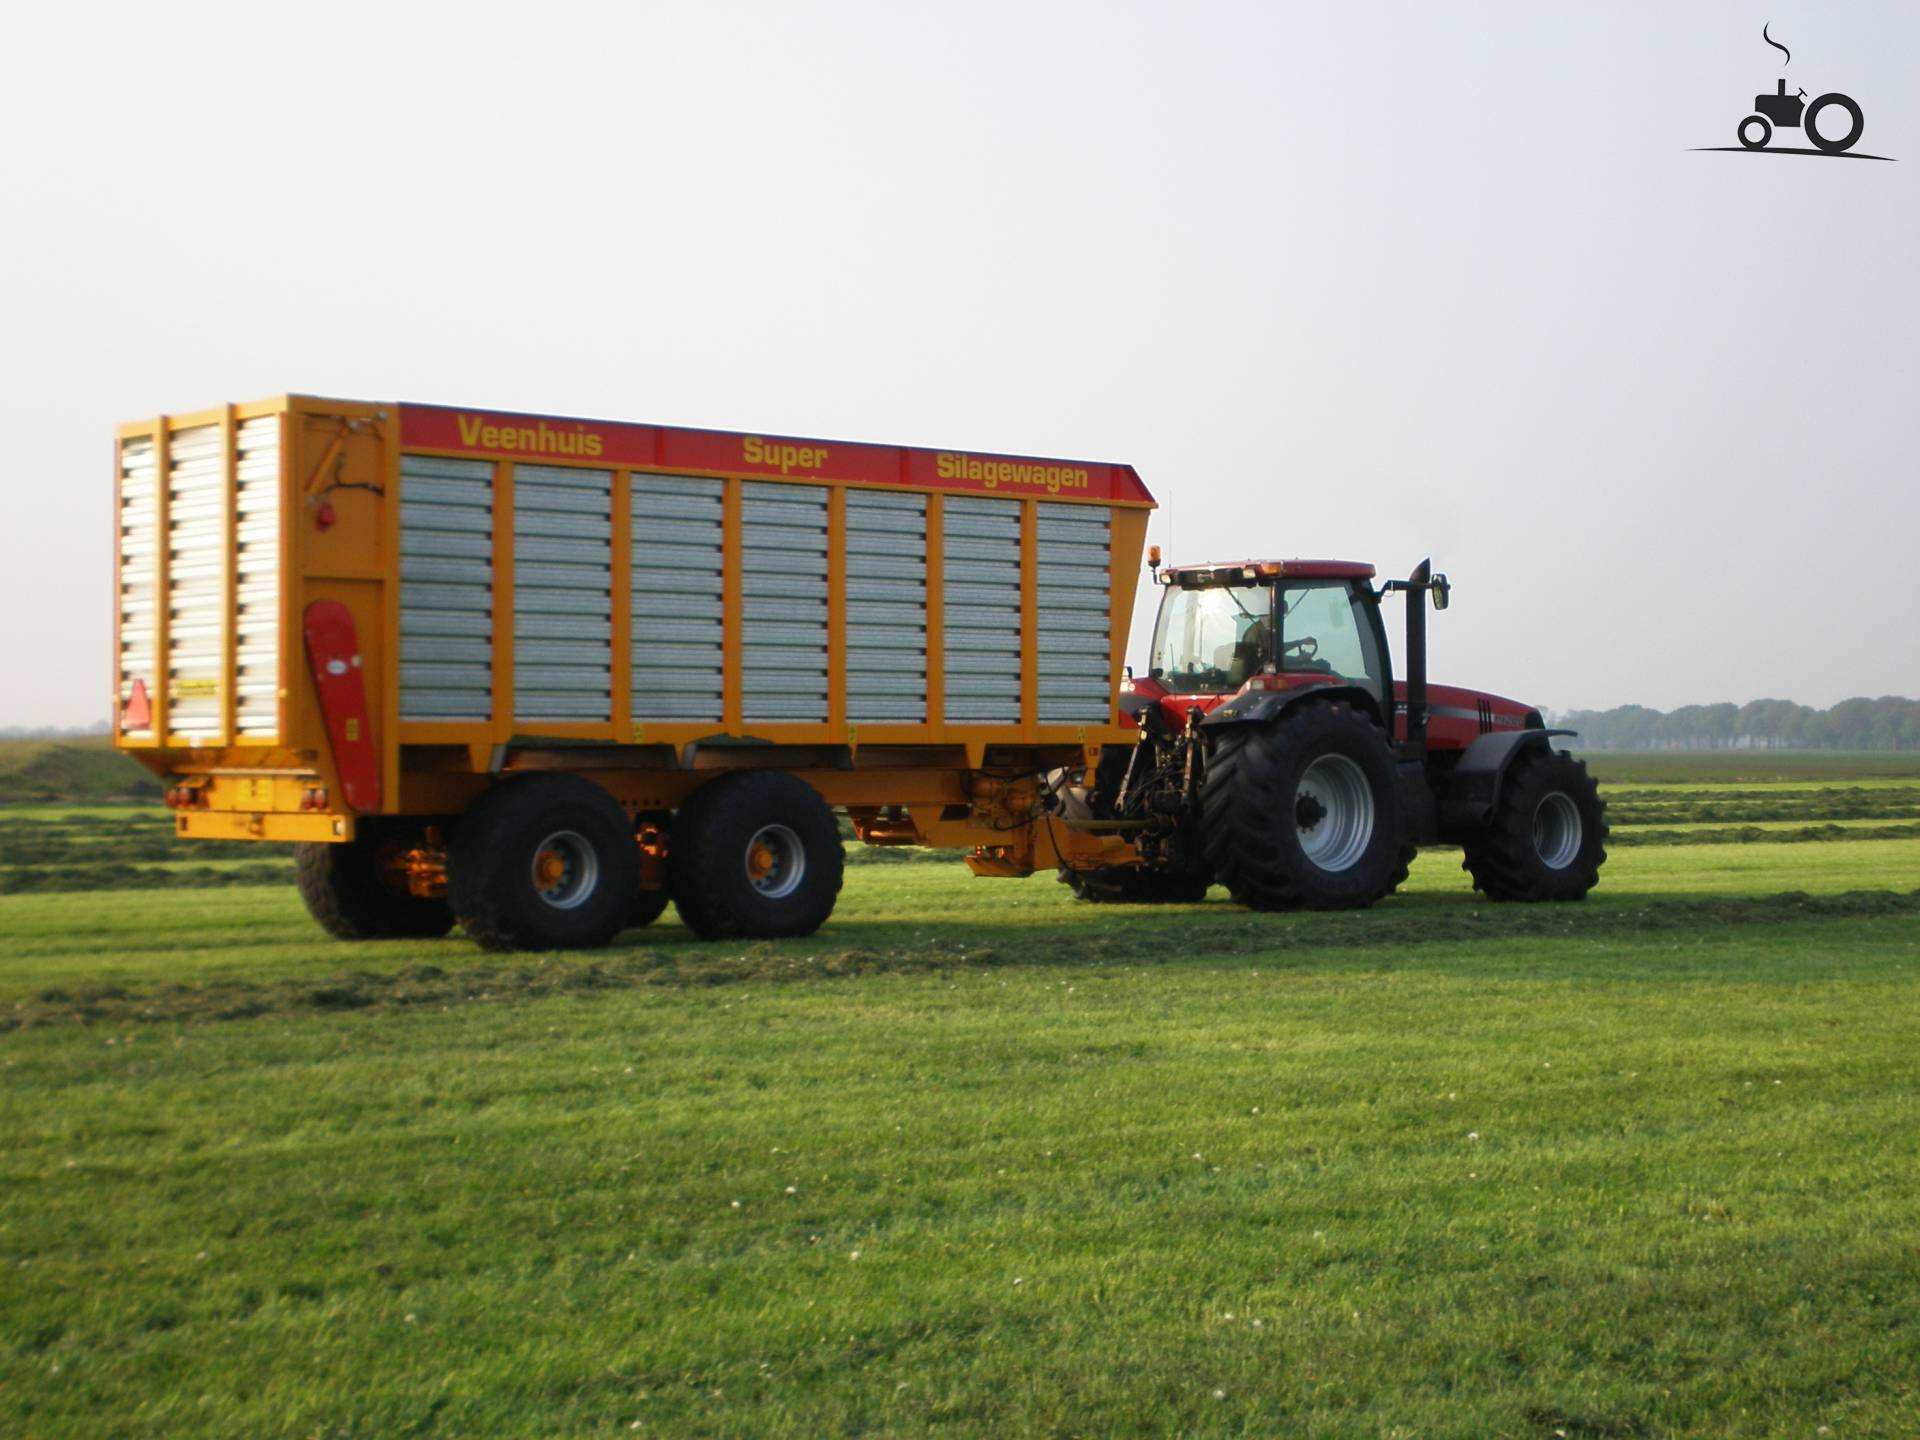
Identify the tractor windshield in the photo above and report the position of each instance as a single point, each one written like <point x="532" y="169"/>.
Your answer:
<point x="1212" y="641"/>
<point x="1209" y="642"/>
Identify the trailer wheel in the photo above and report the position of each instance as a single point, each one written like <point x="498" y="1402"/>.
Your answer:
<point x="1132" y="885"/>
<point x="547" y="862"/>
<point x="354" y="894"/>
<point x="1303" y="813"/>
<point x="755" y="855"/>
<point x="1546" y="838"/>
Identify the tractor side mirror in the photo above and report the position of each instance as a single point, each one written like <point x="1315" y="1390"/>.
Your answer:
<point x="1442" y="592"/>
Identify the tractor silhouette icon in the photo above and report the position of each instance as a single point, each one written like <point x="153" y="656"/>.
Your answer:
<point x="1785" y="111"/>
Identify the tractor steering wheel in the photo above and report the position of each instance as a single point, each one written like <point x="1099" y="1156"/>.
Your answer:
<point x="1306" y="647"/>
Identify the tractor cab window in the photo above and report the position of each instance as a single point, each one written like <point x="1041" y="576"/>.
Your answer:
<point x="1323" y="632"/>
<point x="1209" y="642"/>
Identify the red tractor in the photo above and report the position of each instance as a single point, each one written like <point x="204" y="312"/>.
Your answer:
<point x="1279" y="756"/>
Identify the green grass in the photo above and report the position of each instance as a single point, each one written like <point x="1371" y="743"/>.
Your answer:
<point x="1749" y="767"/>
<point x="1640" y="1166"/>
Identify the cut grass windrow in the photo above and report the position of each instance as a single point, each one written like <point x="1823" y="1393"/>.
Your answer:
<point x="1369" y="939"/>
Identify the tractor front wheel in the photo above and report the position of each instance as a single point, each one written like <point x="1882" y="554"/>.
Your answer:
<point x="1546" y="838"/>
<point x="1303" y="813"/>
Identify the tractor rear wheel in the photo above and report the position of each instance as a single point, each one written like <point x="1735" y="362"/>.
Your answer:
<point x="356" y="894"/>
<point x="547" y="862"/>
<point x="755" y="855"/>
<point x="1547" y="835"/>
<point x="1303" y="813"/>
<point x="1132" y="885"/>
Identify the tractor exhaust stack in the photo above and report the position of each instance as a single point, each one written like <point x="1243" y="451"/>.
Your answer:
<point x="1417" y="586"/>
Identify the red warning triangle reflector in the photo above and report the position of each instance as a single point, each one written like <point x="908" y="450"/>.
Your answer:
<point x="139" y="712"/>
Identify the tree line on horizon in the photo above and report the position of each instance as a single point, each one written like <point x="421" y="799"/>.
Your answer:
<point x="1891" y="722"/>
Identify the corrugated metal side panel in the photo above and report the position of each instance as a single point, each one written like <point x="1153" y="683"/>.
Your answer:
<point x="886" y="606"/>
<point x="139" y="570"/>
<point x="562" y="593"/>
<point x="678" y="625"/>
<point x="446" y="589"/>
<point x="982" y="609"/>
<point x="196" y="581"/>
<point x="1074" y="556"/>
<point x="783" y="602"/>
<point x="257" y="578"/>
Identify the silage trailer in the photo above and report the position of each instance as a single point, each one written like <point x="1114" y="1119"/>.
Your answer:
<point x="487" y="666"/>
<point x="543" y="675"/>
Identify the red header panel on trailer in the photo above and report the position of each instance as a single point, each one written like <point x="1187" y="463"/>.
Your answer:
<point x="506" y="436"/>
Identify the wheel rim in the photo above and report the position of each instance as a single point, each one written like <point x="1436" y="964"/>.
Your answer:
<point x="1557" y="830"/>
<point x="775" y="861"/>
<point x="566" y="870"/>
<point x="1333" y="806"/>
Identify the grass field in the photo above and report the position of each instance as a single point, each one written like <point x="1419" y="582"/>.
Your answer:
<point x="981" y="1161"/>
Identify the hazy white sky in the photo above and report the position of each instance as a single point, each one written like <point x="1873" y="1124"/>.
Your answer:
<point x="1362" y="281"/>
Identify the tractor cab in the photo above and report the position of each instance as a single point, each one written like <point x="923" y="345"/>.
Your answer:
<point x="1265" y="625"/>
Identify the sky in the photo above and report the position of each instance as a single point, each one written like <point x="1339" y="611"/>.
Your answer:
<point x="1369" y="282"/>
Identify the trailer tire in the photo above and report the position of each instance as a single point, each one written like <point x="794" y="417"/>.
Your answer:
<point x="1132" y="885"/>
<point x="1303" y="813"/>
<point x="349" y="890"/>
<point x="755" y="855"/>
<point x="1546" y="838"/>
<point x="547" y="862"/>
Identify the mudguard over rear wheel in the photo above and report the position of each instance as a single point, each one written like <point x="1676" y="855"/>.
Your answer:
<point x="1304" y="812"/>
<point x="755" y="855"/>
<point x="1547" y="835"/>
<point x="354" y="892"/>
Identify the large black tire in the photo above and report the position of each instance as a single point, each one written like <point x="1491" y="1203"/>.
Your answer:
<point x="1547" y="836"/>
<point x="755" y="855"/>
<point x="1810" y="123"/>
<point x="354" y="895"/>
<point x="1303" y="813"/>
<point x="1131" y="885"/>
<point x="545" y="862"/>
